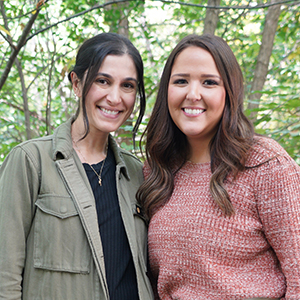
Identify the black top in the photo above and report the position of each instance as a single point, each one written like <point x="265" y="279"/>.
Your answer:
<point x="120" y="271"/>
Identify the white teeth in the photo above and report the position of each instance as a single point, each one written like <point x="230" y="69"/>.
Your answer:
<point x="193" y="111"/>
<point x="111" y="112"/>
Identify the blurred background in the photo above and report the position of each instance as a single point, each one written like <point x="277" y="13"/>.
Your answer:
<point x="39" y="41"/>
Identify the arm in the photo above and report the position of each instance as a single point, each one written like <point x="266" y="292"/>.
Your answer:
<point x="278" y="197"/>
<point x="19" y="187"/>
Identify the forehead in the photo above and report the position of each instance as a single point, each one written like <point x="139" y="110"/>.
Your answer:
<point x="121" y="64"/>
<point x="193" y="53"/>
<point x="194" y="58"/>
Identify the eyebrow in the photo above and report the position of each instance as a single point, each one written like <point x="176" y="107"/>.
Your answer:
<point x="109" y="76"/>
<point x="204" y="75"/>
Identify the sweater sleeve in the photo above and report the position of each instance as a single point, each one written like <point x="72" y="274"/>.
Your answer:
<point x="19" y="184"/>
<point x="278" y="203"/>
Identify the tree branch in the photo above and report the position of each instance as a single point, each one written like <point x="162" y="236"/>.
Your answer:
<point x="263" y="59"/>
<point x="233" y="21"/>
<point x="8" y="40"/>
<point x="229" y="7"/>
<point x="21" y="75"/>
<point x="211" y="17"/>
<point x="20" y="44"/>
<point x="77" y="15"/>
<point x="21" y="109"/>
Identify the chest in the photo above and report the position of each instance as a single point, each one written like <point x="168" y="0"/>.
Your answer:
<point x="192" y="222"/>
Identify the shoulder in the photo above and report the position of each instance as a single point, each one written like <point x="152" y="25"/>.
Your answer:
<point x="41" y="149"/>
<point x="125" y="158"/>
<point x="58" y="143"/>
<point x="128" y="156"/>
<point x="36" y="143"/>
<point x="146" y="169"/>
<point x="31" y="149"/>
<point x="131" y="161"/>
<point x="264" y="150"/>
<point x="131" y="166"/>
<point x="24" y="161"/>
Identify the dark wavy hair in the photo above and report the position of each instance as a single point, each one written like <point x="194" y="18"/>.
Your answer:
<point x="167" y="148"/>
<point x="90" y="57"/>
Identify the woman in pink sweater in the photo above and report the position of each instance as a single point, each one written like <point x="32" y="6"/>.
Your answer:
<point x="223" y="202"/>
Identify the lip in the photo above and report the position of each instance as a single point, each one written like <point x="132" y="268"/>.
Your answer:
<point x="109" y="113"/>
<point x="193" y="111"/>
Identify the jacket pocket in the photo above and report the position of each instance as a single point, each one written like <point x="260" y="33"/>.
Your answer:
<point x="60" y="243"/>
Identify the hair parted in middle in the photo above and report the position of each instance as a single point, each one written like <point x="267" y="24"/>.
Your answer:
<point x="167" y="148"/>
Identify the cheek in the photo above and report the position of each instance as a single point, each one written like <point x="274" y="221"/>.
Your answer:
<point x="172" y="92"/>
<point x="222" y="102"/>
<point x="219" y="103"/>
<point x="93" y="95"/>
<point x="130" y="102"/>
<point x="173" y="111"/>
<point x="172" y="99"/>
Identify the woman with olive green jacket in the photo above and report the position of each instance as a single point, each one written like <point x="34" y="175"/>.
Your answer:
<point x="50" y="247"/>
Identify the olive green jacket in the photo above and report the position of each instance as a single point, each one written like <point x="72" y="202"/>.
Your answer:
<point x="50" y="247"/>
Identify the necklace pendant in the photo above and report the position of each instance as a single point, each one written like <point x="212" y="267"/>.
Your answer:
<point x="100" y="182"/>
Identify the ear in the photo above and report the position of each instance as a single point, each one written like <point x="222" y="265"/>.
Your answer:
<point x="76" y="84"/>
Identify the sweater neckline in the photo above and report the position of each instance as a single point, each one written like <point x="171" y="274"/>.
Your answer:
<point x="198" y="164"/>
<point x="190" y="168"/>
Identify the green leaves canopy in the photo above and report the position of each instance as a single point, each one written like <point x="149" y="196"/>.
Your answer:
<point x="154" y="27"/>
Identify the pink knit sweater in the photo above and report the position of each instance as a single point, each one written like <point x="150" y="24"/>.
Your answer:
<point x="198" y="253"/>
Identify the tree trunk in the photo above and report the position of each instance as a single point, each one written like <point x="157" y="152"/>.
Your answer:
<point x="211" y="17"/>
<point x="263" y="59"/>
<point x="20" y="71"/>
<point x="21" y="42"/>
<point x="120" y="25"/>
<point x="25" y="100"/>
<point x="123" y="27"/>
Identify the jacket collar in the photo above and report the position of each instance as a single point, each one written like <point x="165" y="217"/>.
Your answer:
<point x="63" y="147"/>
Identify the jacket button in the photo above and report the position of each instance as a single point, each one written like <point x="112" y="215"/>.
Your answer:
<point x="63" y="209"/>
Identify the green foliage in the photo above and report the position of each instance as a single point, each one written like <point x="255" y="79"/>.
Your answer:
<point x="279" y="113"/>
<point x="154" y="27"/>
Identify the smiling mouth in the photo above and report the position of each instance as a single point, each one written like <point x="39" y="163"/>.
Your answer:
<point x="195" y="111"/>
<point x="110" y="112"/>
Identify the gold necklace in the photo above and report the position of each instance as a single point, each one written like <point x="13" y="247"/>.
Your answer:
<point x="98" y="175"/>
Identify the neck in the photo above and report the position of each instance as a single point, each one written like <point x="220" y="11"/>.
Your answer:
<point x="93" y="148"/>
<point x="200" y="151"/>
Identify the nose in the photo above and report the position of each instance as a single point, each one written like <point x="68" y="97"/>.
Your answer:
<point x="114" y="96"/>
<point x="194" y="92"/>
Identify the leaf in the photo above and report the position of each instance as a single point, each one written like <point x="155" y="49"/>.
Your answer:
<point x="155" y="27"/>
<point x="6" y="31"/>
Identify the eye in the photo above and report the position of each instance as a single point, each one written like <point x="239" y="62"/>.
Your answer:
<point x="129" y="86"/>
<point x="102" y="81"/>
<point x="210" y="82"/>
<point x="180" y="81"/>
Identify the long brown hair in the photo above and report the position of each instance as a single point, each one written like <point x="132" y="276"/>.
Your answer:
<point x="167" y="148"/>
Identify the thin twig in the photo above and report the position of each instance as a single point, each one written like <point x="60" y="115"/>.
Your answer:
<point x="229" y="7"/>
